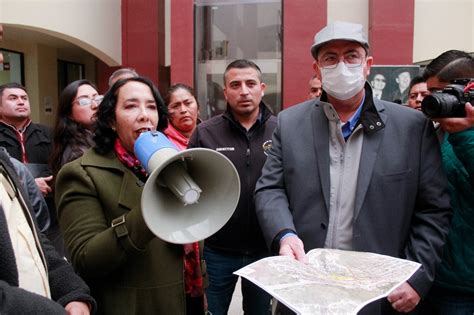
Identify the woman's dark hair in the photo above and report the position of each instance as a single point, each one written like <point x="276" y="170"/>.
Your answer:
<point x="105" y="136"/>
<point x="67" y="132"/>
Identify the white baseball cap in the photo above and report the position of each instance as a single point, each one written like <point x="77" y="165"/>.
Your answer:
<point x="339" y="30"/>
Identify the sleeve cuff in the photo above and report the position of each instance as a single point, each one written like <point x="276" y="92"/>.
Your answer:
<point x="281" y="235"/>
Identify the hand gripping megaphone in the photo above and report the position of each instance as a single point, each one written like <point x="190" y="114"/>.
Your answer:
<point x="189" y="195"/>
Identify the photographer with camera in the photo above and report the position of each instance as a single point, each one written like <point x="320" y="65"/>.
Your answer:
<point x="450" y="78"/>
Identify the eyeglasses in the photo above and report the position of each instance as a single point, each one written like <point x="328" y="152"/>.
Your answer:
<point x="85" y="101"/>
<point x="352" y="59"/>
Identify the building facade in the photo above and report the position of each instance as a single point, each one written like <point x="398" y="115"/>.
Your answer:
<point x="48" y="43"/>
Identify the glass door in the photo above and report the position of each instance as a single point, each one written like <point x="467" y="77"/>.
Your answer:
<point x="229" y="30"/>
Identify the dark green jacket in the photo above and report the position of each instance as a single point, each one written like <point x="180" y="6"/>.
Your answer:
<point x="457" y="268"/>
<point x="129" y="270"/>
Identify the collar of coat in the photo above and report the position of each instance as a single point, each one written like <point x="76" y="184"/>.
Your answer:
<point x="370" y="118"/>
<point x="108" y="160"/>
<point x="131" y="186"/>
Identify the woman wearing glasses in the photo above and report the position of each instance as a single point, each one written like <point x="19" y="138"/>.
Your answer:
<point x="78" y="104"/>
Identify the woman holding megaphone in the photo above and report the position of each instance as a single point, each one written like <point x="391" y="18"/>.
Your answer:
<point x="129" y="269"/>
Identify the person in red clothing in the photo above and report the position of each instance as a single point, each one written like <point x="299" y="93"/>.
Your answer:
<point x="183" y="114"/>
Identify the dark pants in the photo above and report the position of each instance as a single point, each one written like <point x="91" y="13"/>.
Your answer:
<point x="222" y="281"/>
<point x="442" y="301"/>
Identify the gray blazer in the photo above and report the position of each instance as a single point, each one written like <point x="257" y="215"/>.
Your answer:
<point x="401" y="206"/>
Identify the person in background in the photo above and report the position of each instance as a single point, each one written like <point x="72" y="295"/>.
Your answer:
<point x="29" y="185"/>
<point x="183" y="114"/>
<point x="417" y="91"/>
<point x="315" y="88"/>
<point x="403" y="81"/>
<point x="453" y="289"/>
<point x="330" y="176"/>
<point x="242" y="134"/>
<point x="24" y="140"/>
<point x="120" y="74"/>
<point x="378" y="84"/>
<point x="31" y="144"/>
<point x="129" y="269"/>
<point x="73" y="129"/>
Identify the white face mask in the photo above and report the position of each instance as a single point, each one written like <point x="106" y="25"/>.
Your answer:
<point x="342" y="82"/>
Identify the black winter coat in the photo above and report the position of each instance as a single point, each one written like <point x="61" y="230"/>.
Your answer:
<point x="38" y="142"/>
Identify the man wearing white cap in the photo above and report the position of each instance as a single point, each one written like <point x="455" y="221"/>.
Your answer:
<point x="352" y="172"/>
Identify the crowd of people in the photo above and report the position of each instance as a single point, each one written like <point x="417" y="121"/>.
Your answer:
<point x="345" y="169"/>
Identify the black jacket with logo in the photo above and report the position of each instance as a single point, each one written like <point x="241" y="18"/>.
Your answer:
<point x="222" y="133"/>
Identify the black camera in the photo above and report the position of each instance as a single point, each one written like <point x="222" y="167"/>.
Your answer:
<point x="450" y="102"/>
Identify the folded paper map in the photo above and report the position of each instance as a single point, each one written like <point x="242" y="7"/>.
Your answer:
<point x="333" y="282"/>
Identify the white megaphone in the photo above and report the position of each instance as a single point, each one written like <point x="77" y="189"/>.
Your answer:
<point x="189" y="195"/>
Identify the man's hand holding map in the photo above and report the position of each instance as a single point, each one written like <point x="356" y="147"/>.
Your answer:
<point x="332" y="282"/>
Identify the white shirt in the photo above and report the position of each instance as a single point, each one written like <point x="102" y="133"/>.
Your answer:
<point x="32" y="274"/>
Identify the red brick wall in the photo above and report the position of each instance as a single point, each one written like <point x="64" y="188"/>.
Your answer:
<point x="391" y="24"/>
<point x="182" y="42"/>
<point x="140" y="26"/>
<point x="301" y="20"/>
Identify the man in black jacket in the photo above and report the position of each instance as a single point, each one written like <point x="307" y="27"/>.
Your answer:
<point x="34" y="279"/>
<point x="31" y="144"/>
<point x="243" y="134"/>
<point x="24" y="140"/>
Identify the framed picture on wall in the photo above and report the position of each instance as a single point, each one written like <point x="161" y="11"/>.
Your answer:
<point x="13" y="68"/>
<point x="390" y="83"/>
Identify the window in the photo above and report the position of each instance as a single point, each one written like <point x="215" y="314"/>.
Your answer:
<point x="69" y="72"/>
<point x="12" y="69"/>
<point x="229" y="30"/>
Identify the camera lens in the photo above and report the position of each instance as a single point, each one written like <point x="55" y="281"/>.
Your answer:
<point x="439" y="105"/>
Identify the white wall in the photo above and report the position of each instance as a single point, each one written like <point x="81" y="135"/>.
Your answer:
<point x="94" y="25"/>
<point x="441" y="25"/>
<point x="41" y="78"/>
<point x="355" y="11"/>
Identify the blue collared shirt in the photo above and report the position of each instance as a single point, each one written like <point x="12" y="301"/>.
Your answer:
<point x="349" y="126"/>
